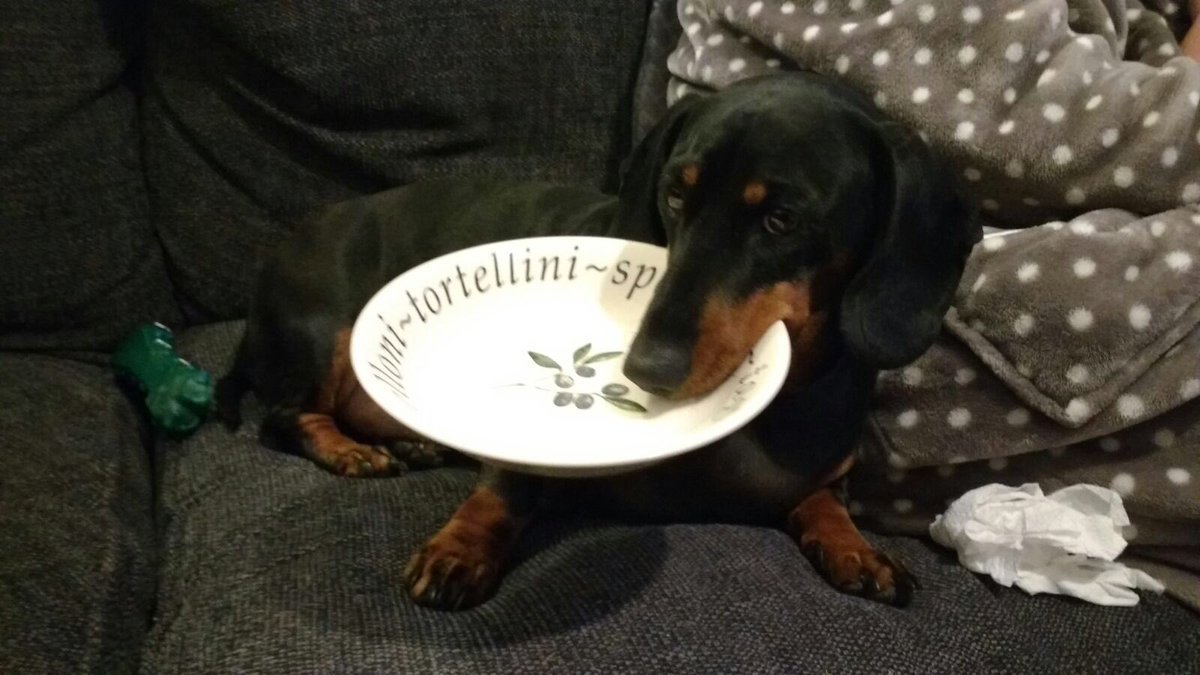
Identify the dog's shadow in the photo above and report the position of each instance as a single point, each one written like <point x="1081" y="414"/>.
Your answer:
<point x="566" y="574"/>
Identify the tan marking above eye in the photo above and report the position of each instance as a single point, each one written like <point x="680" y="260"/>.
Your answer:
<point x="690" y="175"/>
<point x="754" y="193"/>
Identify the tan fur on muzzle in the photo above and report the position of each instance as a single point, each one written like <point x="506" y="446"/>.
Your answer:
<point x="729" y="331"/>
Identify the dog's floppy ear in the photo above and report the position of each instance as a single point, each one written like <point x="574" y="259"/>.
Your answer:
<point x="892" y="310"/>
<point x="637" y="213"/>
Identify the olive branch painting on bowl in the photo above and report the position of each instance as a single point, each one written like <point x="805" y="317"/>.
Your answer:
<point x="582" y="364"/>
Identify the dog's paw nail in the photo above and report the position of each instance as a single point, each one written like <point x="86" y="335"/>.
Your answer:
<point x="446" y="575"/>
<point x="457" y="597"/>
<point x="904" y="589"/>
<point x="417" y="454"/>
<point x="819" y="553"/>
<point x="871" y="584"/>
<point x="815" y="554"/>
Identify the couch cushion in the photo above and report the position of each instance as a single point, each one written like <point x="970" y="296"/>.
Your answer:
<point x="271" y="564"/>
<point x="76" y="531"/>
<point x="259" y="111"/>
<point x="78" y="260"/>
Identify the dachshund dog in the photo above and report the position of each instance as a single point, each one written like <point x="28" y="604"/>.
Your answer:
<point x="786" y="197"/>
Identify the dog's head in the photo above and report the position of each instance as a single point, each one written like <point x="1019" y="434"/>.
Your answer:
<point x="789" y="197"/>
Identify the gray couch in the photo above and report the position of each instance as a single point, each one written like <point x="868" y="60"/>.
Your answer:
<point x="148" y="153"/>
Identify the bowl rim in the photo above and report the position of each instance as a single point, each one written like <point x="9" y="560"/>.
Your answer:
<point x="772" y="380"/>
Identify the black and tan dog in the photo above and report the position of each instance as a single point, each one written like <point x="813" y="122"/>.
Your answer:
<point x="787" y="197"/>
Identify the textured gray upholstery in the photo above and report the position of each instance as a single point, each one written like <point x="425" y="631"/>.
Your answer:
<point x="259" y="111"/>
<point x="79" y="263"/>
<point x="77" y="545"/>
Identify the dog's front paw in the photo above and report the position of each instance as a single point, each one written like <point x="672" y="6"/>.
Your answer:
<point x="453" y="571"/>
<point x="355" y="460"/>
<point x="861" y="570"/>
<point x="419" y="453"/>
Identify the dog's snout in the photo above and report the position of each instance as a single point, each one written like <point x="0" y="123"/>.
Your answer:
<point x="658" y="367"/>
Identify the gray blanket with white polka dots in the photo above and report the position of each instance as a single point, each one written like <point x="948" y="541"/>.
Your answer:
<point x="1076" y="340"/>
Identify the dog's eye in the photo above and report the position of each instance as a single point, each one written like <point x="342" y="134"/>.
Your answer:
<point x="779" y="221"/>
<point x="674" y="199"/>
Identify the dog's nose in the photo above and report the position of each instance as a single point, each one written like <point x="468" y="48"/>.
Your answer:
<point x="658" y="367"/>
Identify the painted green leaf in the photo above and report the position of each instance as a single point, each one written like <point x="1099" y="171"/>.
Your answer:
<point x="602" y="356"/>
<point x="625" y="404"/>
<point x="614" y="389"/>
<point x="582" y="352"/>
<point x="544" y="361"/>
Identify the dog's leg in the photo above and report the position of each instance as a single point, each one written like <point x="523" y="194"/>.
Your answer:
<point x="362" y="418"/>
<point x="341" y="429"/>
<point x="326" y="445"/>
<point x="461" y="566"/>
<point x="827" y="536"/>
<point x="316" y="436"/>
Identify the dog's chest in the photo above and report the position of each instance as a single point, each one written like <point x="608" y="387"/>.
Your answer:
<point x="735" y="480"/>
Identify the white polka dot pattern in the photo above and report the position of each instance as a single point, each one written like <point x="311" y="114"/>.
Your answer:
<point x="1077" y="410"/>
<point x="1018" y="417"/>
<point x="1123" y="484"/>
<point x="912" y="376"/>
<point x="1130" y="406"/>
<point x="1164" y="438"/>
<point x="1179" y="476"/>
<point x="959" y="418"/>
<point x="1070" y="313"/>
<point x="1077" y="374"/>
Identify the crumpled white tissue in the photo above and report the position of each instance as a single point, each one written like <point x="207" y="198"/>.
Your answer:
<point x="1062" y="543"/>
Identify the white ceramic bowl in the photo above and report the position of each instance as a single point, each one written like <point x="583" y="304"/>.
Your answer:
<point x="512" y="353"/>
